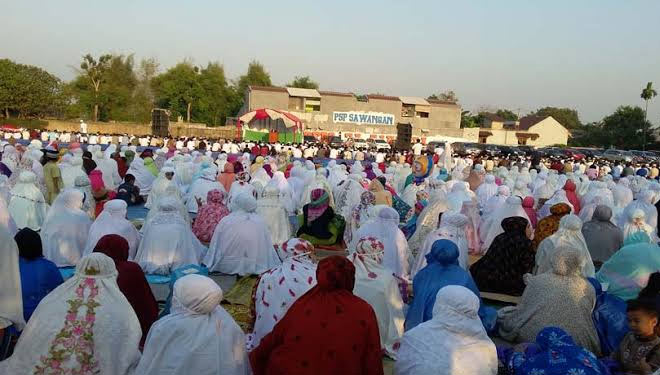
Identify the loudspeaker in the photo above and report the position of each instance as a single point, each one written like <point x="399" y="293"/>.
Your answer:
<point x="160" y="122"/>
<point x="403" y="136"/>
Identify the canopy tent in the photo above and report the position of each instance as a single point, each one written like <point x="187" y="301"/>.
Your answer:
<point x="268" y="125"/>
<point x="9" y="128"/>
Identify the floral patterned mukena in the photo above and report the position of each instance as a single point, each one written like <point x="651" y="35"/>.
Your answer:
<point x="76" y="338"/>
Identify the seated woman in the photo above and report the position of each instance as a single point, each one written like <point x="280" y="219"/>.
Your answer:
<point x="89" y="309"/>
<point x="168" y="241"/>
<point x="554" y="353"/>
<point x="210" y="214"/>
<point x="603" y="238"/>
<point x="561" y="298"/>
<point x="241" y="243"/>
<point x="452" y="228"/>
<point x="66" y="228"/>
<point x="131" y="280"/>
<point x="549" y="225"/>
<point x="39" y="276"/>
<point x="509" y="258"/>
<point x="628" y="270"/>
<point x="383" y="196"/>
<point x="113" y="221"/>
<point x="453" y="342"/>
<point x="360" y="214"/>
<point x="279" y="287"/>
<point x="319" y="224"/>
<point x="326" y="331"/>
<point x="197" y="337"/>
<point x="570" y="235"/>
<point x="375" y="284"/>
<point x="442" y="270"/>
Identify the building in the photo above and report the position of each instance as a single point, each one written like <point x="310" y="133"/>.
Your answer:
<point x="327" y="113"/>
<point x="539" y="131"/>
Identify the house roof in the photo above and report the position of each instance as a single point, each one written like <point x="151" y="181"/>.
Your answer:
<point x="528" y="121"/>
<point x="303" y="93"/>
<point x="413" y="100"/>
<point x="267" y="88"/>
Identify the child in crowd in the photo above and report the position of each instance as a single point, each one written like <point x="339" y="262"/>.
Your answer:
<point x="128" y="192"/>
<point x="639" y="351"/>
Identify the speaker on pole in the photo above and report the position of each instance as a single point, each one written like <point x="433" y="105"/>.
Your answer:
<point x="160" y="122"/>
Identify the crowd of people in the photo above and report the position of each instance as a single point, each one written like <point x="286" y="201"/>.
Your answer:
<point x="345" y="256"/>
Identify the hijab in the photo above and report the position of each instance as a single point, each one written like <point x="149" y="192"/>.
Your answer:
<point x="131" y="280"/>
<point x="549" y="225"/>
<point x="602" y="237"/>
<point x="11" y="301"/>
<point x="210" y="214"/>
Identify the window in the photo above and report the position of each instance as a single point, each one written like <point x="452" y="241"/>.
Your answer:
<point x="422" y="114"/>
<point x="407" y="110"/>
<point x="522" y="141"/>
<point x="483" y="139"/>
<point x="312" y="105"/>
<point x="295" y="103"/>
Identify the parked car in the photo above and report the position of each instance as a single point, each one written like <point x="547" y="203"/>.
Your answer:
<point x="335" y="141"/>
<point x="379" y="144"/>
<point x="617" y="155"/>
<point x="509" y="150"/>
<point x="359" y="143"/>
<point x="465" y="149"/>
<point x="310" y="139"/>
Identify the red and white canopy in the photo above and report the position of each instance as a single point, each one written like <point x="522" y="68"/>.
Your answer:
<point x="288" y="119"/>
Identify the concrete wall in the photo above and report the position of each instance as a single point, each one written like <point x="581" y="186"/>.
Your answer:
<point x="176" y="129"/>
<point x="550" y="133"/>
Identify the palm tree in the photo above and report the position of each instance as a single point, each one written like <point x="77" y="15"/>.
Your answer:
<point x="647" y="94"/>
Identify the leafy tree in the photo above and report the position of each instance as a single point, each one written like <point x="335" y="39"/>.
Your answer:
<point x="565" y="116"/>
<point x="625" y="129"/>
<point x="647" y="94"/>
<point x="28" y="91"/>
<point x="448" y="95"/>
<point x="143" y="96"/>
<point x="303" y="82"/>
<point x="95" y="72"/>
<point x="178" y="88"/>
<point x="470" y="121"/>
<point x="507" y="114"/>
<point x="256" y="76"/>
<point x="215" y="101"/>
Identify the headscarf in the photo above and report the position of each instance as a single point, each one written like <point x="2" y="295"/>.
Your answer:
<point x="569" y="234"/>
<point x="509" y="257"/>
<point x="241" y="243"/>
<point x="628" y="270"/>
<point x="11" y="301"/>
<point x="602" y="237"/>
<point x="317" y="206"/>
<point x="29" y="244"/>
<point x="84" y="326"/>
<point x="66" y="228"/>
<point x="549" y="225"/>
<point x="528" y="206"/>
<point x="113" y="221"/>
<point x="570" y="187"/>
<point x="452" y="342"/>
<point x="555" y="353"/>
<point x="281" y="286"/>
<point x="27" y="205"/>
<point x="143" y="178"/>
<point x="561" y="297"/>
<point x="486" y="190"/>
<point x="210" y="214"/>
<point x="442" y="269"/>
<point x="300" y="342"/>
<point x="214" y="343"/>
<point x="131" y="280"/>
<point x="452" y="227"/>
<point x="381" y="196"/>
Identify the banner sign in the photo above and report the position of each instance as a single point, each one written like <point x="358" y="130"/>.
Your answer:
<point x="363" y="118"/>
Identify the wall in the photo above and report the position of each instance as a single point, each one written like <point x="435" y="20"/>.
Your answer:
<point x="176" y="129"/>
<point x="550" y="133"/>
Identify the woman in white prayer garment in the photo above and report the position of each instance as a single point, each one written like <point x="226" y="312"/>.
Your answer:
<point x="112" y="220"/>
<point x="453" y="342"/>
<point x="271" y="209"/>
<point x="168" y="241"/>
<point x="143" y="178"/>
<point x="70" y="173"/>
<point x="197" y="337"/>
<point x="241" y="243"/>
<point x="66" y="228"/>
<point x="568" y="235"/>
<point x="452" y="227"/>
<point x="11" y="299"/>
<point x="84" y="326"/>
<point x="27" y="204"/>
<point x="200" y="188"/>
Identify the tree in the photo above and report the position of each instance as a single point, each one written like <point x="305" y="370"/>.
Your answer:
<point x="565" y="116"/>
<point x="647" y="94"/>
<point x="506" y="114"/>
<point x="449" y="96"/>
<point x="303" y="82"/>
<point x="215" y="101"/>
<point x="95" y="71"/>
<point x="143" y="96"/>
<point x="256" y="76"/>
<point x="178" y="88"/>
<point x="626" y="128"/>
<point x="28" y="91"/>
<point x="470" y="121"/>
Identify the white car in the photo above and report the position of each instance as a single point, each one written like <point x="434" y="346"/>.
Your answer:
<point x="360" y="143"/>
<point x="380" y="144"/>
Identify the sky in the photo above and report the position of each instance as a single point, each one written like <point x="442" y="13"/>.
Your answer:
<point x="591" y="55"/>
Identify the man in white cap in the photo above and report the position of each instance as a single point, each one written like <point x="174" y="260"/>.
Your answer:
<point x="83" y="127"/>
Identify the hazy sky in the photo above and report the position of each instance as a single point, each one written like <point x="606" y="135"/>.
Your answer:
<point x="592" y="55"/>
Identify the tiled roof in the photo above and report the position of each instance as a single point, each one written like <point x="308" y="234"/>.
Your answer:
<point x="528" y="121"/>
